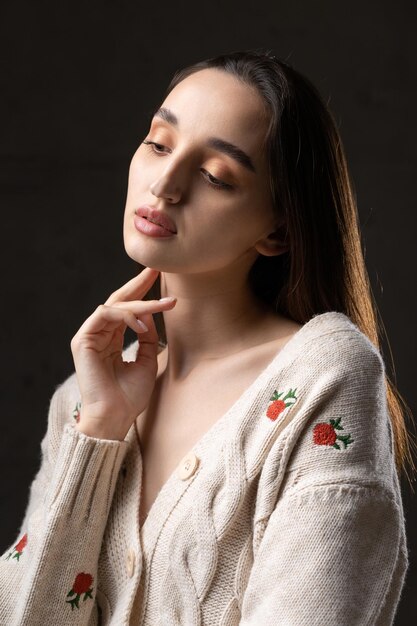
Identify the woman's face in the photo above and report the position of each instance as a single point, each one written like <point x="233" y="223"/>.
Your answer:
<point x="217" y="197"/>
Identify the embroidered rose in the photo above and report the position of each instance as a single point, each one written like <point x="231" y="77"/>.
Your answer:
<point x="324" y="434"/>
<point x="77" y="412"/>
<point x="19" y="547"/>
<point x="82" y="585"/>
<point x="279" y="404"/>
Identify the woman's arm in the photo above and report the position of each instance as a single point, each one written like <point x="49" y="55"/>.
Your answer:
<point x="333" y="550"/>
<point x="49" y="574"/>
<point x="331" y="554"/>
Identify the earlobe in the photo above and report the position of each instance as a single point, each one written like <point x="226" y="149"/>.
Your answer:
<point x="274" y="244"/>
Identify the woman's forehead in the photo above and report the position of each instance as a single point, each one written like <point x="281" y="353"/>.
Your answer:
<point x="214" y="102"/>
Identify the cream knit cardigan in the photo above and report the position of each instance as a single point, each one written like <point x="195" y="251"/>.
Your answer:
<point x="292" y="517"/>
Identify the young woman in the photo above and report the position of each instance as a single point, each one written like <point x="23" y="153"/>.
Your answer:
<point x="244" y="470"/>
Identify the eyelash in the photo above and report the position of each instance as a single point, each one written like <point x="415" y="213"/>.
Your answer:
<point x="218" y="184"/>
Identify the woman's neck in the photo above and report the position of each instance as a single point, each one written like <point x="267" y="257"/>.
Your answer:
<point x="212" y="319"/>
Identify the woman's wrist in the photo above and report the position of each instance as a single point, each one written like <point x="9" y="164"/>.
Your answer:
<point x="101" y="431"/>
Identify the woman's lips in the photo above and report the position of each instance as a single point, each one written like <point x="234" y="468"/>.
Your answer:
<point x="156" y="217"/>
<point x="151" y="229"/>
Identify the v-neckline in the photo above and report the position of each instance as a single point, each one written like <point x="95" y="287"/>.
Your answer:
<point x="173" y="487"/>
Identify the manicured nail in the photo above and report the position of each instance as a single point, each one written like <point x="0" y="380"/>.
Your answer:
<point x="167" y="299"/>
<point x="142" y="325"/>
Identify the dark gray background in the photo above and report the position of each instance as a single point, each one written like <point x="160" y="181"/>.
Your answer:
<point x="77" y="84"/>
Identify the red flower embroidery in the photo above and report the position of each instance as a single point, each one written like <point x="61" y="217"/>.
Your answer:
<point x="82" y="585"/>
<point x="275" y="409"/>
<point x="279" y="404"/>
<point x="19" y="547"/>
<point x="77" y="412"/>
<point x="324" y="434"/>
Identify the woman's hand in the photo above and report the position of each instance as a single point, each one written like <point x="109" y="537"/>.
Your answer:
<point x="114" y="392"/>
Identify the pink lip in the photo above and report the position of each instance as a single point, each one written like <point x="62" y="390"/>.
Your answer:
<point x="155" y="218"/>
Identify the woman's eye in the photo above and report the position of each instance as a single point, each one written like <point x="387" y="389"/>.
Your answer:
<point x="153" y="143"/>
<point x="215" y="182"/>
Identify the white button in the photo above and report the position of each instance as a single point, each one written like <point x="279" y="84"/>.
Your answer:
<point x="130" y="562"/>
<point x="187" y="466"/>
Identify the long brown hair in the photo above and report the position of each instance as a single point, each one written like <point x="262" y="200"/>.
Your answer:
<point x="324" y="269"/>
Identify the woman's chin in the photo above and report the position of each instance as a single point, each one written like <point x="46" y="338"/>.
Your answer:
<point x="140" y="258"/>
<point x="147" y="259"/>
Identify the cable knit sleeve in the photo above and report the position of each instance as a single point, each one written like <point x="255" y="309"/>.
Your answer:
<point x="333" y="548"/>
<point x="48" y="575"/>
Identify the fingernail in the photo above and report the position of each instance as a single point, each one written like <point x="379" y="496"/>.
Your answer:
<point x="167" y="299"/>
<point x="142" y="325"/>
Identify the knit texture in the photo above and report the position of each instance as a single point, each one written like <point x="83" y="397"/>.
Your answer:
<point x="292" y="517"/>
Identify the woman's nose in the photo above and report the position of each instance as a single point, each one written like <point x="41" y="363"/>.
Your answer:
<point x="167" y="186"/>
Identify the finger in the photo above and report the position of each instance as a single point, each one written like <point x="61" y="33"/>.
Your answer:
<point x="107" y="318"/>
<point x="139" y="307"/>
<point x="136" y="288"/>
<point x="151" y="333"/>
<point x="148" y="342"/>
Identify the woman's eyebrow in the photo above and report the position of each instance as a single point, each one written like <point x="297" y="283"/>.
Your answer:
<point x="213" y="142"/>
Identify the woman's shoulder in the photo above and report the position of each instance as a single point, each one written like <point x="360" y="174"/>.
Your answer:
<point x="334" y="323"/>
<point x="341" y="428"/>
<point x="331" y="340"/>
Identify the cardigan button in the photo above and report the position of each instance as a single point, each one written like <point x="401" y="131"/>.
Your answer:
<point x="130" y="562"/>
<point x="187" y="466"/>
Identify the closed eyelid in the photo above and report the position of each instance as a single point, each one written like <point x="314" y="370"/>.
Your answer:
<point x="216" y="171"/>
<point x="219" y="184"/>
<point x="164" y="116"/>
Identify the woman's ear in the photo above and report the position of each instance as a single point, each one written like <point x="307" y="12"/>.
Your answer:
<point x="275" y="243"/>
